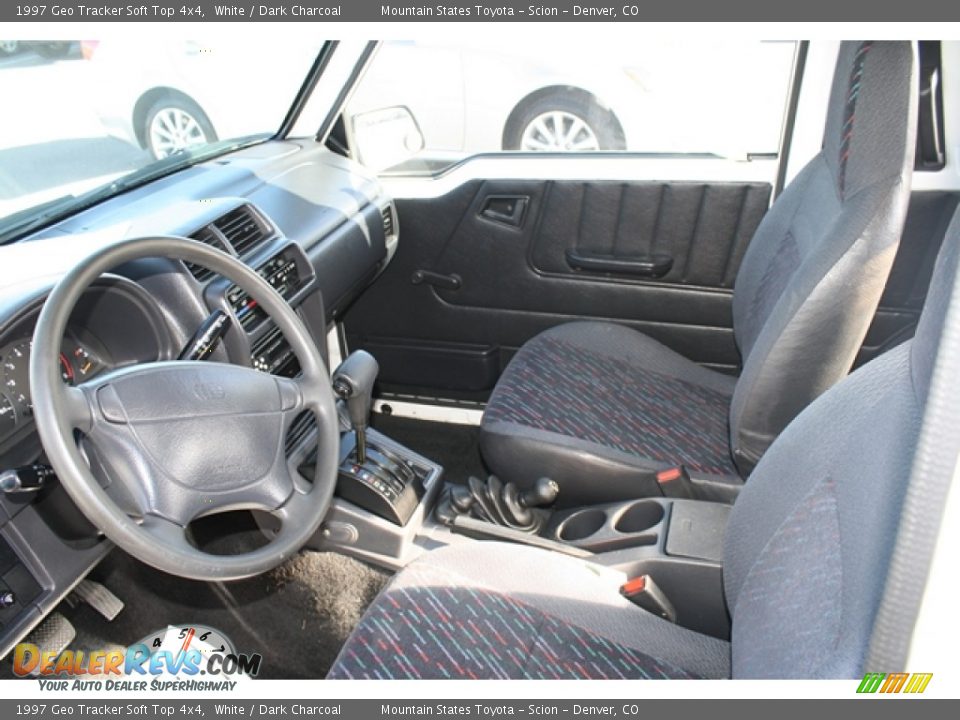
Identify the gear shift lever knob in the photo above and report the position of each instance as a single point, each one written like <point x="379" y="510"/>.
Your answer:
<point x="353" y="382"/>
<point x="543" y="493"/>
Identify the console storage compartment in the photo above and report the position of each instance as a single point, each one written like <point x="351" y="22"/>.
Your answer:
<point x="676" y="542"/>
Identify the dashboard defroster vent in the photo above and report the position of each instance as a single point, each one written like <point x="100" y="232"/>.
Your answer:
<point x="243" y="229"/>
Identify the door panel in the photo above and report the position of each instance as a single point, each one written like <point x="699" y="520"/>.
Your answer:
<point x="702" y="228"/>
<point x="513" y="277"/>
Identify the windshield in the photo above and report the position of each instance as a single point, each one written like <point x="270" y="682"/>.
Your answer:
<point x="85" y="119"/>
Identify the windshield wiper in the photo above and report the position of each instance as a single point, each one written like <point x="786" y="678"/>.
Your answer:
<point x="39" y="216"/>
<point x="43" y="210"/>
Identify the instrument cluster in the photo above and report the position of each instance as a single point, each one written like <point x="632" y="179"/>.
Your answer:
<point x="78" y="362"/>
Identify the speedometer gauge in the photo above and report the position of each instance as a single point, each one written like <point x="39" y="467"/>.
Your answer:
<point x="16" y="377"/>
<point x="16" y="404"/>
<point x="8" y="416"/>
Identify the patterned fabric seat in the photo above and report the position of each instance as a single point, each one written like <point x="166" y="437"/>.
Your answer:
<point x="612" y="394"/>
<point x="600" y="408"/>
<point x="450" y="617"/>
<point x="806" y="555"/>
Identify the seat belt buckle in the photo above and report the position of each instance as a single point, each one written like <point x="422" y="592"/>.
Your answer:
<point x="675" y="482"/>
<point x="643" y="592"/>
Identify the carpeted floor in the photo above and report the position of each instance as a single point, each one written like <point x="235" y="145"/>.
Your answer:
<point x="297" y="616"/>
<point x="455" y="447"/>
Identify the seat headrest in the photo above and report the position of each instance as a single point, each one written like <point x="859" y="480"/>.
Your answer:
<point x="873" y="80"/>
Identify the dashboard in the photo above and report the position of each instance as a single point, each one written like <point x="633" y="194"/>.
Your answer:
<point x="315" y="225"/>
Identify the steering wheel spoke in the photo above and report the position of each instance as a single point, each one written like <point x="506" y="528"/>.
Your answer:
<point x="76" y="409"/>
<point x="293" y="394"/>
<point x="295" y="509"/>
<point x="166" y="533"/>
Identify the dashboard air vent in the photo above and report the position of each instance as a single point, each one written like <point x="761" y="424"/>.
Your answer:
<point x="388" y="225"/>
<point x="242" y="229"/>
<point x="208" y="237"/>
<point x="302" y="426"/>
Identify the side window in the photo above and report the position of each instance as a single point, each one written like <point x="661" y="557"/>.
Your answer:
<point x="668" y="98"/>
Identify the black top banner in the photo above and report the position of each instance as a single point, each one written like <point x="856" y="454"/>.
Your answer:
<point x="502" y="11"/>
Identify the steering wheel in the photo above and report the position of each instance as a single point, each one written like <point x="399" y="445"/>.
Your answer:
<point x="176" y="440"/>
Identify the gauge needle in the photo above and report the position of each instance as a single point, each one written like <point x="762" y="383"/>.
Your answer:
<point x="186" y="641"/>
<point x="186" y="644"/>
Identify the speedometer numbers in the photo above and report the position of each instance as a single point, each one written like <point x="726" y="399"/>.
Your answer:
<point x="8" y="416"/>
<point x="16" y="378"/>
<point x="16" y="406"/>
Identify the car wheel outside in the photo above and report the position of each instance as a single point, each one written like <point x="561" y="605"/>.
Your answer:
<point x="562" y="122"/>
<point x="9" y="47"/>
<point x="175" y="124"/>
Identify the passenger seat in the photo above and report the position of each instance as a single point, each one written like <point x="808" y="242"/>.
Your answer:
<point x="601" y="408"/>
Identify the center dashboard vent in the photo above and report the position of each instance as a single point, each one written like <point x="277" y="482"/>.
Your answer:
<point x="207" y="236"/>
<point x="243" y="229"/>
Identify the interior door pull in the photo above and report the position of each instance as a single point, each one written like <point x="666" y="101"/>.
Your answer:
<point x="447" y="282"/>
<point x="654" y="266"/>
<point x="505" y="209"/>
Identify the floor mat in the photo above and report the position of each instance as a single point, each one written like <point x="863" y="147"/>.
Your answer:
<point x="296" y="616"/>
<point x="455" y="447"/>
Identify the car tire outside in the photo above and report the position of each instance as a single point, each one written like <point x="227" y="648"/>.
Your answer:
<point x="563" y="122"/>
<point x="9" y="47"/>
<point x="173" y="124"/>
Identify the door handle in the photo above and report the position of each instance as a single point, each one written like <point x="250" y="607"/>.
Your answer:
<point x="653" y="266"/>
<point x="505" y="209"/>
<point x="446" y="282"/>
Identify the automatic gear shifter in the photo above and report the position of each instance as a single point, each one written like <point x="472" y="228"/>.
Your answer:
<point x="353" y="382"/>
<point x="373" y="476"/>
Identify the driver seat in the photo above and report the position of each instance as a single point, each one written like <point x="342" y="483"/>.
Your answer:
<point x="806" y="554"/>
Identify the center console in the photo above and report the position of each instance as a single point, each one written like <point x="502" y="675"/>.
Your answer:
<point x="676" y="542"/>
<point x="384" y="521"/>
<point x="391" y="505"/>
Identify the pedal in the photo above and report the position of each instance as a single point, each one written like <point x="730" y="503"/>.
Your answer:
<point x="99" y="598"/>
<point x="52" y="635"/>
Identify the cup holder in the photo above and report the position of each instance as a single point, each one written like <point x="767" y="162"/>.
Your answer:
<point x="582" y="525"/>
<point x="639" y="517"/>
<point x="612" y="527"/>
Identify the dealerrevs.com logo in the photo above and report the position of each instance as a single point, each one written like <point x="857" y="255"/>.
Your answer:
<point x="178" y="657"/>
